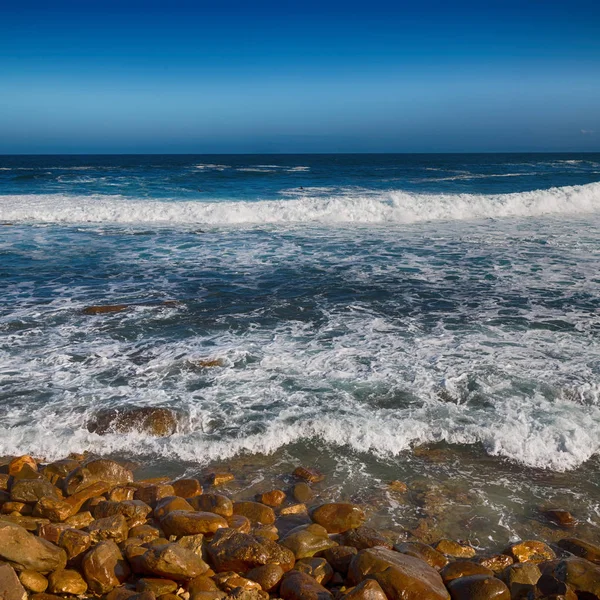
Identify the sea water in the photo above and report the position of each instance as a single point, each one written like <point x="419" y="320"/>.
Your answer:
<point x="428" y="318"/>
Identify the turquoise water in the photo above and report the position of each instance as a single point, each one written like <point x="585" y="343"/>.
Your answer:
<point x="360" y="306"/>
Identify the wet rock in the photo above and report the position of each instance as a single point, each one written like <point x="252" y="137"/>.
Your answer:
<point x="99" y="470"/>
<point x="267" y="576"/>
<point x="144" y="532"/>
<point x="181" y="522"/>
<point x="531" y="551"/>
<point x="401" y="577"/>
<point x="230" y="581"/>
<point x="56" y="472"/>
<point x="338" y="517"/>
<point x="463" y="568"/>
<point x="172" y="561"/>
<point x="53" y="509"/>
<point x="28" y="523"/>
<point x="581" y="548"/>
<point x="273" y="498"/>
<point x="51" y="531"/>
<point x="452" y="548"/>
<point x="579" y="574"/>
<point x="104" y="309"/>
<point x="151" y="493"/>
<point x="521" y="579"/>
<point x="157" y="586"/>
<point x="202" y="583"/>
<point x="121" y="493"/>
<point x="307" y="540"/>
<point x="318" y="568"/>
<point x="309" y="475"/>
<point x="10" y="586"/>
<point x="266" y="531"/>
<point x="302" y="492"/>
<point x="255" y="512"/>
<point x="220" y="478"/>
<point x="339" y="557"/>
<point x="27" y="551"/>
<point x="478" y="587"/>
<point x="213" y="503"/>
<point x="300" y="586"/>
<point x="135" y="511"/>
<point x="365" y="537"/>
<point x="16" y="507"/>
<point x="187" y="488"/>
<point x="562" y="518"/>
<point x="497" y="562"/>
<point x="95" y="490"/>
<point x="294" y="509"/>
<point x="67" y="582"/>
<point x="240" y="552"/>
<point x="398" y="486"/>
<point x="32" y="490"/>
<point x="369" y="589"/>
<point x="104" y="568"/>
<point x="80" y="521"/>
<point x="15" y="466"/>
<point x="109" y="528"/>
<point x="431" y="556"/>
<point x="74" y="542"/>
<point x="33" y="581"/>
<point x="193" y="543"/>
<point x="170" y="504"/>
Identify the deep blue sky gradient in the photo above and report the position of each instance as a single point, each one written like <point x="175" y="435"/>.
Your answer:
<point x="307" y="76"/>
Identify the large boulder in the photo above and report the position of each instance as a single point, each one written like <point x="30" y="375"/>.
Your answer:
<point x="478" y="587"/>
<point x="10" y="586"/>
<point x="104" y="568"/>
<point x="307" y="540"/>
<point x="160" y="422"/>
<point x="300" y="586"/>
<point x="173" y="561"/>
<point x="183" y="522"/>
<point x="338" y="517"/>
<point x="95" y="471"/>
<point x="27" y="551"/>
<point x="401" y="577"/>
<point x="234" y="551"/>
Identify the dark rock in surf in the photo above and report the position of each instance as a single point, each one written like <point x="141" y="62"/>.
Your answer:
<point x="160" y="422"/>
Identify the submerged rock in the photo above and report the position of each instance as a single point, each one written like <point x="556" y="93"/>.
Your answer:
<point x="105" y="308"/>
<point x="160" y="422"/>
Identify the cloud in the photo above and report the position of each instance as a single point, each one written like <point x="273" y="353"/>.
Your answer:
<point x="587" y="132"/>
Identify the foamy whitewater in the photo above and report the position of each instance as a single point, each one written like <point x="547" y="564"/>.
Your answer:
<point x="360" y="307"/>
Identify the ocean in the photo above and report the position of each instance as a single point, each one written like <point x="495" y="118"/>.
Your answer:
<point x="432" y="319"/>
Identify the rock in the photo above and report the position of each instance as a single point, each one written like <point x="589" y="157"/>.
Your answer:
<point x="273" y="498"/>
<point x="74" y="542"/>
<point x="339" y="557"/>
<point x="220" y="478"/>
<point x="120" y="594"/>
<point x="579" y="574"/>
<point x="365" y="537"/>
<point x="294" y="509"/>
<point x="103" y="309"/>
<point x="52" y="508"/>
<point x="52" y="531"/>
<point x="16" y="464"/>
<point x="452" y="548"/>
<point x="401" y="577"/>
<point x="497" y="562"/>
<point x="213" y="503"/>
<point x="173" y="561"/>
<point x="369" y="589"/>
<point x="33" y="581"/>
<point x="398" y="486"/>
<point x="531" y="551"/>
<point x="563" y="518"/>
<point x="67" y="582"/>
<point x="144" y="532"/>
<point x="463" y="568"/>
<point x="56" y="472"/>
<point x="419" y="550"/>
<point x="266" y="531"/>
<point x="310" y="475"/>
<point x="187" y="488"/>
<point x="78" y="499"/>
<point x="151" y="493"/>
<point x="521" y="579"/>
<point x="135" y="511"/>
<point x="16" y="507"/>
<point x="582" y="549"/>
<point x="302" y="492"/>
<point x="169" y="504"/>
<point x="239" y="523"/>
<point x="27" y="551"/>
<point x="28" y="523"/>
<point x="32" y="490"/>
<point x="202" y="583"/>
<point x="307" y="540"/>
<point x="267" y="576"/>
<point x="229" y="581"/>
<point x="181" y="522"/>
<point x="255" y="512"/>
<point x="240" y="552"/>
<point x="109" y="528"/>
<point x="121" y="493"/>
<point x="318" y="568"/>
<point x="159" y="422"/>
<point x="10" y="586"/>
<point x="193" y="543"/>
<point x="104" y="568"/>
<point x="80" y="521"/>
<point x="95" y="471"/>
<point x="478" y="587"/>
<point x="338" y="517"/>
<point x="300" y="586"/>
<point x="158" y="586"/>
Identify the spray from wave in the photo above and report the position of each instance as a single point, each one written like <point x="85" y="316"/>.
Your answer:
<point x="387" y="207"/>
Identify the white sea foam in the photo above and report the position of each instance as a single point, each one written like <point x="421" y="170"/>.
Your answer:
<point x="386" y="207"/>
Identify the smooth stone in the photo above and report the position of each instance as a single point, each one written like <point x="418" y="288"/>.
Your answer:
<point x="267" y="576"/>
<point x="10" y="586"/>
<point x="339" y="557"/>
<point x="307" y="540"/>
<point x="104" y="568"/>
<point x="318" y="568"/>
<point x="109" y="528"/>
<point x="454" y="549"/>
<point x="180" y="522"/>
<point x="33" y="581"/>
<point x="420" y="550"/>
<point x="581" y="548"/>
<point x="363" y="537"/>
<point x="369" y="589"/>
<point x="302" y="492"/>
<point x="213" y="503"/>
<point x="67" y="581"/>
<point x="255" y="512"/>
<point x="478" y="587"/>
<point x="300" y="586"/>
<point x="187" y="488"/>
<point x="531" y="551"/>
<point x="338" y="517"/>
<point x="135" y="511"/>
<point x="309" y="475"/>
<point x="463" y="568"/>
<point x="173" y="561"/>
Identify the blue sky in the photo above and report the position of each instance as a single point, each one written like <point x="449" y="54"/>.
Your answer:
<point x="299" y="76"/>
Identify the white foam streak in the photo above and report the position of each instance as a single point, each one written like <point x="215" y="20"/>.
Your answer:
<point x="389" y="207"/>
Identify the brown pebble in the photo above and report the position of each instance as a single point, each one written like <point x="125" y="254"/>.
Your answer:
<point x="220" y="478"/>
<point x="310" y="475"/>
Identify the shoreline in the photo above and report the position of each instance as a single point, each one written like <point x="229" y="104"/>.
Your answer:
<point x="86" y="526"/>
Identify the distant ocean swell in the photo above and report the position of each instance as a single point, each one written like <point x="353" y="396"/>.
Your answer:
<point x="380" y="207"/>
